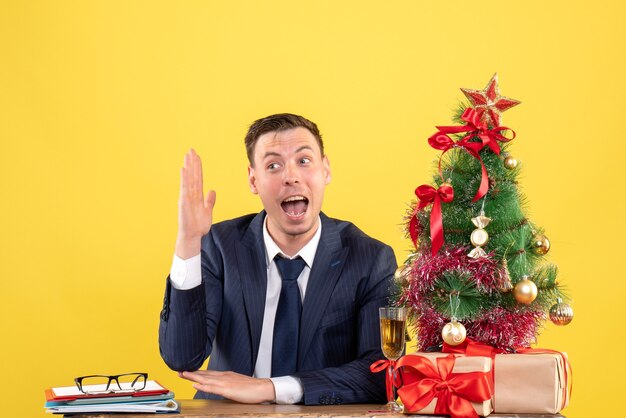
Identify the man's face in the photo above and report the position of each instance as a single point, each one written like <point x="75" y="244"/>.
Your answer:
<point x="289" y="175"/>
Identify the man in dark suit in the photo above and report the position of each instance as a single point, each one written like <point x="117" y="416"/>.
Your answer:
<point x="285" y="302"/>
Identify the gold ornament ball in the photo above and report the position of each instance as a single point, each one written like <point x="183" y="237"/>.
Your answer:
<point x="479" y="237"/>
<point x="525" y="291"/>
<point x="510" y="162"/>
<point x="561" y="313"/>
<point x="541" y="244"/>
<point x="453" y="333"/>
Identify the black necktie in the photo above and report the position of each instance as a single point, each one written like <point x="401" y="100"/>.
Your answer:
<point x="287" y="322"/>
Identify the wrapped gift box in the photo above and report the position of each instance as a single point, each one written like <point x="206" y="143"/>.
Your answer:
<point x="535" y="382"/>
<point x="530" y="383"/>
<point x="463" y="366"/>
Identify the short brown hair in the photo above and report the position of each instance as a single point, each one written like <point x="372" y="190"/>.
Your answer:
<point x="278" y="123"/>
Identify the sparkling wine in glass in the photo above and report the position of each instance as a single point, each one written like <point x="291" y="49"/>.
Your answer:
<point x="392" y="332"/>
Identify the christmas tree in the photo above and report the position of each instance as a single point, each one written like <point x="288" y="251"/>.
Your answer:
<point x="478" y="268"/>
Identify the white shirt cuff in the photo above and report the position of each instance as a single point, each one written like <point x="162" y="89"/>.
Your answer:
<point x="186" y="274"/>
<point x="289" y="389"/>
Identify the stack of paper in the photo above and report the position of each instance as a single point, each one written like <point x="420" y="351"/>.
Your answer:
<point x="153" y="398"/>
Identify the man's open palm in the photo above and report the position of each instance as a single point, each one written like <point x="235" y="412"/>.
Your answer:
<point x="195" y="211"/>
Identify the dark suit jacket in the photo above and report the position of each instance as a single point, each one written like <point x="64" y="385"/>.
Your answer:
<point x="339" y="334"/>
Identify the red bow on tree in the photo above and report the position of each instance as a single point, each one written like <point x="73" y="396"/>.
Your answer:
<point x="454" y="391"/>
<point x="427" y="195"/>
<point x="474" y="128"/>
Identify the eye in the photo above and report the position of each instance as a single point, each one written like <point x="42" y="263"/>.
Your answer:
<point x="305" y="160"/>
<point x="273" y="166"/>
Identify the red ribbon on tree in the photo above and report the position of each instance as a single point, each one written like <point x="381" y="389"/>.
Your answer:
<point x="474" y="128"/>
<point x="454" y="391"/>
<point x="381" y="365"/>
<point x="427" y="195"/>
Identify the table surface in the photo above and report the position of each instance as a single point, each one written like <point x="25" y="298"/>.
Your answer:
<point x="216" y="409"/>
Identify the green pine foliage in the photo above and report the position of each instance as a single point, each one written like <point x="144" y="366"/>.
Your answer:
<point x="470" y="301"/>
<point x="510" y="231"/>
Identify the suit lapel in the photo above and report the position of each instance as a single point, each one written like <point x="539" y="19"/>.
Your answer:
<point x="253" y="275"/>
<point x="329" y="261"/>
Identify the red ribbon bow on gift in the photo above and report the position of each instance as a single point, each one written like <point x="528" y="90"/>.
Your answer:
<point x="379" y="366"/>
<point x="470" y="347"/>
<point x="454" y="391"/>
<point x="474" y="128"/>
<point x="427" y="195"/>
<point x="473" y="348"/>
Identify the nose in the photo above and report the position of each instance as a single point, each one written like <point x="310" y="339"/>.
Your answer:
<point x="291" y="175"/>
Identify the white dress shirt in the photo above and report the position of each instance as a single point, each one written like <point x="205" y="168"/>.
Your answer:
<point x="186" y="274"/>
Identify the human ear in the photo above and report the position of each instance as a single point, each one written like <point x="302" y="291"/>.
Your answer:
<point x="252" y="180"/>
<point x="326" y="168"/>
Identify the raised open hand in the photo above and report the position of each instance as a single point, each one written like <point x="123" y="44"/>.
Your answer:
<point x="195" y="211"/>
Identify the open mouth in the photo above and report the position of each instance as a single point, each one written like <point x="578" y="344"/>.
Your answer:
<point x="295" y="206"/>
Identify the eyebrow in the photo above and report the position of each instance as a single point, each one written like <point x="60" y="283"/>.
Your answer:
<point x="271" y="154"/>
<point x="275" y="154"/>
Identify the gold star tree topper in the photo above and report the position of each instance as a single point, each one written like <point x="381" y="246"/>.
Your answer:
<point x="489" y="103"/>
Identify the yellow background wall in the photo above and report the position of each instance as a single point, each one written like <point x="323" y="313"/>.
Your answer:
<point x="99" y="100"/>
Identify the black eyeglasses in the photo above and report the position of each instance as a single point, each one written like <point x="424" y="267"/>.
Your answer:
<point x="121" y="383"/>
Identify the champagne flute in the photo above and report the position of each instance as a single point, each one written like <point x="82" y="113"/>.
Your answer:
<point x="392" y="332"/>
